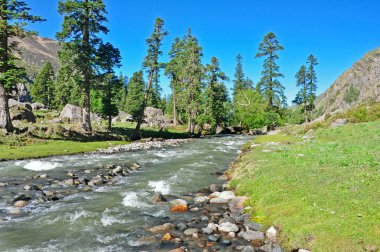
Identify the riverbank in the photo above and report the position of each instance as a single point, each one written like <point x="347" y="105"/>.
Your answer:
<point x="319" y="189"/>
<point x="42" y="141"/>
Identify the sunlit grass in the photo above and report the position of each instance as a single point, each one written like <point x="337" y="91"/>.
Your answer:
<point x="324" y="194"/>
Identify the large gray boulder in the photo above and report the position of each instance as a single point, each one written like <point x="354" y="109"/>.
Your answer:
<point x="155" y="117"/>
<point x="38" y="106"/>
<point x="122" y="117"/>
<point x="71" y="113"/>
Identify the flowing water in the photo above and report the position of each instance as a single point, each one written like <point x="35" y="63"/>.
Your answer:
<point x="112" y="217"/>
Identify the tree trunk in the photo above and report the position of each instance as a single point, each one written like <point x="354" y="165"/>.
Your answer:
<point x="174" y="109"/>
<point x="109" y="122"/>
<point x="86" y="120"/>
<point x="5" y="118"/>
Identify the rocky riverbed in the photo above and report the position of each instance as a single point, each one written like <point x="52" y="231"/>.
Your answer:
<point x="217" y="222"/>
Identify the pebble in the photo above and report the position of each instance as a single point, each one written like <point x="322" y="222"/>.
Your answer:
<point x="191" y="231"/>
<point x="181" y="226"/>
<point x="227" y="227"/>
<point x="208" y="230"/>
<point x="271" y="234"/>
<point x="213" y="238"/>
<point x="20" y="203"/>
<point x="161" y="228"/>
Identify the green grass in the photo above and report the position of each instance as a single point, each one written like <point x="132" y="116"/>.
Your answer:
<point x="328" y="198"/>
<point x="45" y="140"/>
<point x="52" y="148"/>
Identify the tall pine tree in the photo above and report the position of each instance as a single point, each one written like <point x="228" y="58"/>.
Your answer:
<point x="43" y="86"/>
<point x="152" y="66"/>
<point x="82" y="24"/>
<point x="302" y="97"/>
<point x="109" y="58"/>
<point x="215" y="95"/>
<point x="14" y="16"/>
<point x="240" y="82"/>
<point x="135" y="96"/>
<point x="311" y="81"/>
<point x="269" y="86"/>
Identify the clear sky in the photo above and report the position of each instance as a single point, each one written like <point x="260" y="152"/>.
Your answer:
<point x="337" y="32"/>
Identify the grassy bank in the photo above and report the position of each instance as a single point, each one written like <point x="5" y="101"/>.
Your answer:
<point x="42" y="140"/>
<point x="323" y="194"/>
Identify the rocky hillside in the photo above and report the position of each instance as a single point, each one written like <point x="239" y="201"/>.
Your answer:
<point x="360" y="84"/>
<point x="35" y="52"/>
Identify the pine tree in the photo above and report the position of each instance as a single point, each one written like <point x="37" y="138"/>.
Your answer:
<point x="270" y="87"/>
<point x="135" y="96"/>
<point x="311" y="81"/>
<point x="109" y="58"/>
<point x="192" y="76"/>
<point x="240" y="82"/>
<point x="174" y="70"/>
<point x="82" y="24"/>
<point x="43" y="87"/>
<point x="215" y="95"/>
<point x="302" y="96"/>
<point x="152" y="66"/>
<point x="14" y="16"/>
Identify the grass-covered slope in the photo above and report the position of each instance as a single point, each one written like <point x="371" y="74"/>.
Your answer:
<point x="323" y="194"/>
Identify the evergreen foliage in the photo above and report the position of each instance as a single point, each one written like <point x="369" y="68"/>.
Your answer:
<point x="135" y="96"/>
<point x="43" y="87"/>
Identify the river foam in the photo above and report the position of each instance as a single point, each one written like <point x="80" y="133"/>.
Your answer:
<point x="38" y="165"/>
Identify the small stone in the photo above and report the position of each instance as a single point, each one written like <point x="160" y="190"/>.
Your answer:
<point x="191" y="231"/>
<point x="195" y="236"/>
<point x="201" y="199"/>
<point x="237" y="204"/>
<point x="48" y="193"/>
<point x="204" y="218"/>
<point x="161" y="228"/>
<point x="158" y="198"/>
<point x="31" y="188"/>
<point x="212" y="226"/>
<point x="87" y="171"/>
<point x="194" y="209"/>
<point x="213" y="238"/>
<point x="227" y="227"/>
<point x="253" y="226"/>
<point x="167" y="237"/>
<point x="117" y="170"/>
<point x="3" y="184"/>
<point x="231" y="235"/>
<point x="227" y="195"/>
<point x="177" y="250"/>
<point x="207" y="230"/>
<point x="43" y="176"/>
<point x="178" y="205"/>
<point x="272" y="234"/>
<point x="20" y="203"/>
<point x="70" y="174"/>
<point x="218" y="201"/>
<point x="69" y="182"/>
<point x="226" y="242"/>
<point x="256" y="238"/>
<point x="214" y="195"/>
<point x="181" y="226"/>
<point x="134" y="166"/>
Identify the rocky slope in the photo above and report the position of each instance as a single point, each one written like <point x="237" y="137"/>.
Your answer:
<point x="34" y="52"/>
<point x="360" y="84"/>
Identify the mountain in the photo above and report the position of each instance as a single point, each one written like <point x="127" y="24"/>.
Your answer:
<point x="360" y="84"/>
<point x="34" y="52"/>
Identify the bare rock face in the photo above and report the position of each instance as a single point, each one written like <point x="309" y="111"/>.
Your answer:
<point x="21" y="93"/>
<point x="155" y="117"/>
<point x="360" y="84"/>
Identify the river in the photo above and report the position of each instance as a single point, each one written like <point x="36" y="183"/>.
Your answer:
<point x="112" y="217"/>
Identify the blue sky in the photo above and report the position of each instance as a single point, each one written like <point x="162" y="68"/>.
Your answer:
<point x="337" y="32"/>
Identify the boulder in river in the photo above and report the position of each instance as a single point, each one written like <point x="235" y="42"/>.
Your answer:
<point x="178" y="205"/>
<point x="158" y="198"/>
<point x="20" y="203"/>
<point x="161" y="228"/>
<point x="255" y="237"/>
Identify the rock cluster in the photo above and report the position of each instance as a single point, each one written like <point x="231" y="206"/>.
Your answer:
<point x="214" y="222"/>
<point x="142" y="145"/>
